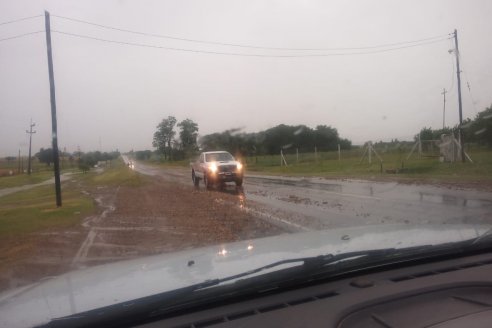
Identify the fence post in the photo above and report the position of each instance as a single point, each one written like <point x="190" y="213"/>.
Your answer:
<point x="420" y="147"/>
<point x="369" y="150"/>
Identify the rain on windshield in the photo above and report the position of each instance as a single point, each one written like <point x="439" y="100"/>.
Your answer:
<point x="338" y="115"/>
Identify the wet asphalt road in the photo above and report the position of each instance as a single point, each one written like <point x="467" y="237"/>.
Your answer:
<point x="301" y="204"/>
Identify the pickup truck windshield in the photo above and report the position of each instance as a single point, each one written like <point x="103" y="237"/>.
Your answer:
<point x="218" y="157"/>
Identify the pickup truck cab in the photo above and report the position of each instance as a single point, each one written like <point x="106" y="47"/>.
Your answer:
<point x="216" y="167"/>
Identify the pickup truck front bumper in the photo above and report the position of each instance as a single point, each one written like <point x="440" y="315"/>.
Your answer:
<point x="224" y="176"/>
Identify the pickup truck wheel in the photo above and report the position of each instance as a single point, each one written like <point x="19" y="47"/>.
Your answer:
<point x="239" y="182"/>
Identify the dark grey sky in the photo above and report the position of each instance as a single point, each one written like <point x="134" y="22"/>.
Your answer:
<point x="114" y="95"/>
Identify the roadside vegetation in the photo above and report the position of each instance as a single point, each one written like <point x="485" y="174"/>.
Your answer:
<point x="115" y="173"/>
<point x="300" y="150"/>
<point x="394" y="165"/>
<point x="24" y="179"/>
<point x="351" y="165"/>
<point x="13" y="172"/>
<point x="35" y="209"/>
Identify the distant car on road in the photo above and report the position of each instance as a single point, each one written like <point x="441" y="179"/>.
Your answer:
<point x="216" y="167"/>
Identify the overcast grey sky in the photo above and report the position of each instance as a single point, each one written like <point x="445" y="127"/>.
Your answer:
<point x="114" y="95"/>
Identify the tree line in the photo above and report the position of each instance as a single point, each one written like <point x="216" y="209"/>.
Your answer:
<point x="286" y="138"/>
<point x="83" y="160"/>
<point x="477" y="130"/>
<point x="173" y="149"/>
<point x="271" y="141"/>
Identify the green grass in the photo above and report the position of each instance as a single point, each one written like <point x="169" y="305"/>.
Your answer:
<point x="118" y="174"/>
<point x="24" y="179"/>
<point x="35" y="209"/>
<point x="40" y="172"/>
<point x="181" y="163"/>
<point x="350" y="165"/>
<point x="326" y="164"/>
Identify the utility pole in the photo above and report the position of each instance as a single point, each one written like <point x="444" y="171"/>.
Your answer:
<point x="54" y="133"/>
<point x="30" y="132"/>
<point x="444" y="108"/>
<point x="460" y="129"/>
<point x="19" y="163"/>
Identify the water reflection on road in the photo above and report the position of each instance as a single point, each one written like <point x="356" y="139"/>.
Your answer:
<point x="317" y="203"/>
<point x="329" y="203"/>
<point x="385" y="190"/>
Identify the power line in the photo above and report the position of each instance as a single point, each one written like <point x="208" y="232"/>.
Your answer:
<point x="20" y="20"/>
<point x="20" y="35"/>
<point x="241" y="54"/>
<point x="245" y="45"/>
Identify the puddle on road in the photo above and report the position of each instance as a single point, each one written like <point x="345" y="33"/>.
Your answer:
<point x="300" y="183"/>
<point x="454" y="200"/>
<point x="382" y="191"/>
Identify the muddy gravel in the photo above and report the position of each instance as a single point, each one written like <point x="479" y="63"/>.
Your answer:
<point x="158" y="217"/>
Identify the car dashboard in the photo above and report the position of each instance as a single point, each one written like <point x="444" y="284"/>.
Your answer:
<point x="450" y="293"/>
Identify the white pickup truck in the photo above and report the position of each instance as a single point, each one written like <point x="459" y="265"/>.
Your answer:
<point x="216" y="167"/>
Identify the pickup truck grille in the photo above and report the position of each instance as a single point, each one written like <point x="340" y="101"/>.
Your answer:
<point x="227" y="168"/>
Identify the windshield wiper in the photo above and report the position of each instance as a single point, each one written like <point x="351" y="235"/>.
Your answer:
<point x="312" y="263"/>
<point x="486" y="236"/>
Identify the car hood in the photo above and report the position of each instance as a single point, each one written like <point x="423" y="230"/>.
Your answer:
<point x="108" y="284"/>
<point x="226" y="163"/>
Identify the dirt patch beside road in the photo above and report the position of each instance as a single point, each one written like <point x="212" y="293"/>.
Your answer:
<point x="157" y="217"/>
<point x="163" y="216"/>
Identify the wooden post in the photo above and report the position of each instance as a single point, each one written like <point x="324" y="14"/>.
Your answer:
<point x="369" y="150"/>
<point x="339" y="157"/>
<point x="420" y="147"/>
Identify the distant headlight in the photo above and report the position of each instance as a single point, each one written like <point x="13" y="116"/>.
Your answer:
<point x="213" y="167"/>
<point x="239" y="166"/>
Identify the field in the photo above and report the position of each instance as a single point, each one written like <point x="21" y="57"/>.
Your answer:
<point x="11" y="176"/>
<point x="394" y="164"/>
<point x="34" y="209"/>
<point x="34" y="233"/>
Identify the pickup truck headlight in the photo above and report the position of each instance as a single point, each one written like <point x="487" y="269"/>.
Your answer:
<point x="213" y="167"/>
<point x="239" y="166"/>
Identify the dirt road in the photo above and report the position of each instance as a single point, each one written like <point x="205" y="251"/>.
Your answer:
<point x="158" y="216"/>
<point x="298" y="204"/>
<point x="163" y="216"/>
<point x="168" y="214"/>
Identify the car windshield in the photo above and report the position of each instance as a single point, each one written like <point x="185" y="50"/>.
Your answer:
<point x="218" y="157"/>
<point x="350" y="126"/>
